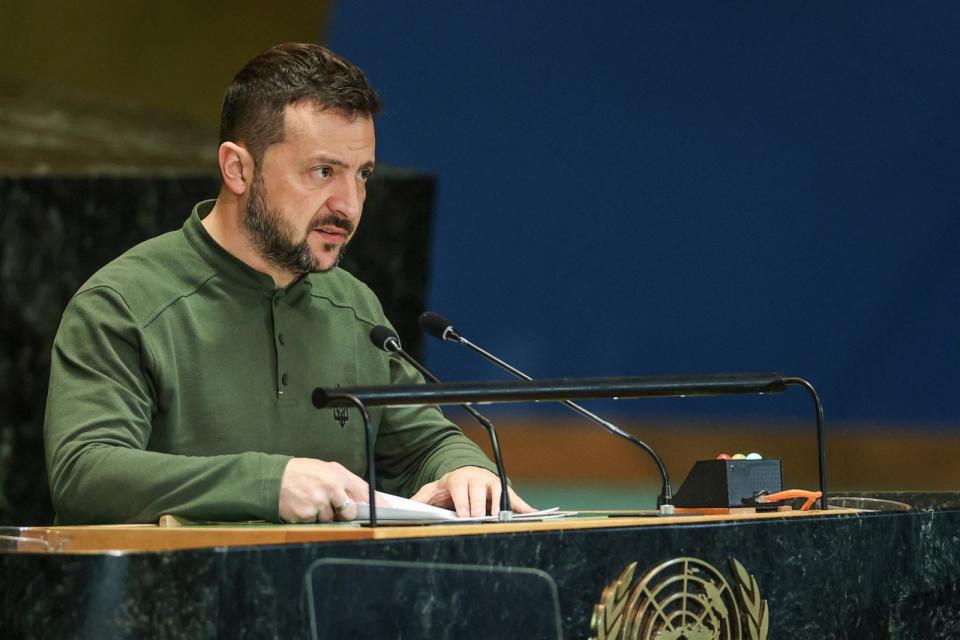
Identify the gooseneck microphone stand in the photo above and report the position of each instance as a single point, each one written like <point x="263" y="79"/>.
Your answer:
<point x="439" y="327"/>
<point x="386" y="339"/>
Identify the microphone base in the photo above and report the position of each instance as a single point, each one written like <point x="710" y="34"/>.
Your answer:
<point x="506" y="516"/>
<point x="667" y="510"/>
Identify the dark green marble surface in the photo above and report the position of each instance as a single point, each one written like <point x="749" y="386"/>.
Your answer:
<point x="883" y="575"/>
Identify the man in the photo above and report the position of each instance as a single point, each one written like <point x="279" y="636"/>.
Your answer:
<point x="181" y="373"/>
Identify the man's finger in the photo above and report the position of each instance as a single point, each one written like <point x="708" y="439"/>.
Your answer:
<point x="478" y="497"/>
<point x="294" y="519"/>
<point x="495" y="499"/>
<point x="356" y="486"/>
<point x="460" y="496"/>
<point x="426" y="491"/>
<point x="517" y="503"/>
<point x="344" y="507"/>
<point x="324" y="512"/>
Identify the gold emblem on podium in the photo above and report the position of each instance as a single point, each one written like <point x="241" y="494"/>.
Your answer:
<point x="681" y="599"/>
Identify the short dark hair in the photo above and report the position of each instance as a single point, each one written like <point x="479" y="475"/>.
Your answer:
<point x="254" y="105"/>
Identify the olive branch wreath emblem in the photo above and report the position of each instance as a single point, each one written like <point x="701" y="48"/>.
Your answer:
<point x="757" y="613"/>
<point x="673" y="608"/>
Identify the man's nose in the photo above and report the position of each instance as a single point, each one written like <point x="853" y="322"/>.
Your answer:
<point x="347" y="198"/>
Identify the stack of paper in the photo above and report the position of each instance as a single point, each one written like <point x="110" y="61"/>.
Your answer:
<point x="398" y="508"/>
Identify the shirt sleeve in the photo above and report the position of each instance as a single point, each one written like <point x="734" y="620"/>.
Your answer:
<point x="100" y="405"/>
<point x="417" y="445"/>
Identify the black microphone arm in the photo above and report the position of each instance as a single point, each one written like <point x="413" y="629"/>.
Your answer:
<point x="485" y="392"/>
<point x="386" y="339"/>
<point x="439" y="327"/>
<point x="581" y="388"/>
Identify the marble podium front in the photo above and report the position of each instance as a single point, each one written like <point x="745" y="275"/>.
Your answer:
<point x="835" y="575"/>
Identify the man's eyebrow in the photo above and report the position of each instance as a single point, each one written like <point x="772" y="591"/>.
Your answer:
<point x="329" y="160"/>
<point x="339" y="163"/>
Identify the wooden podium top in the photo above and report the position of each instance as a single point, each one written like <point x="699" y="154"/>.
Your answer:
<point x="132" y="538"/>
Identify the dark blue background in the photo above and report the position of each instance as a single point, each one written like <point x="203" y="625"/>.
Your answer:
<point x="631" y="189"/>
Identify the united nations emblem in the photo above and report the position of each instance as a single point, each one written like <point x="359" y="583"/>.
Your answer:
<point x="681" y="599"/>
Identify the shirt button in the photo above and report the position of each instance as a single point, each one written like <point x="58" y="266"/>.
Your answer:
<point x="276" y="302"/>
<point x="280" y="338"/>
<point x="283" y="379"/>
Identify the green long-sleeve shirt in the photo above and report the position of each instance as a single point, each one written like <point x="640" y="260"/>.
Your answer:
<point x="181" y="378"/>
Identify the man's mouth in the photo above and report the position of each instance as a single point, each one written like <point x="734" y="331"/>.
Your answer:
<point x="333" y="230"/>
<point x="331" y="234"/>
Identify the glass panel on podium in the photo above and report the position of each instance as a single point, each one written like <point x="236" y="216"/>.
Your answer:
<point x="350" y="598"/>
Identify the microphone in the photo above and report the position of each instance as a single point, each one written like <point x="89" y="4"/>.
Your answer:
<point x="385" y="339"/>
<point x="439" y="327"/>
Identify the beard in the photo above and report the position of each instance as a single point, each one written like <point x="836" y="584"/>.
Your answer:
<point x="274" y="237"/>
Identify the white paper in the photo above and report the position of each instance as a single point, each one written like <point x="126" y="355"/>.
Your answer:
<point x="398" y="508"/>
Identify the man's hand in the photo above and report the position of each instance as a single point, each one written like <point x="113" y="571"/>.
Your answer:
<point x="317" y="491"/>
<point x="470" y="491"/>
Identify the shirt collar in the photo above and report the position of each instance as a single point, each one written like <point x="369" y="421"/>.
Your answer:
<point x="222" y="260"/>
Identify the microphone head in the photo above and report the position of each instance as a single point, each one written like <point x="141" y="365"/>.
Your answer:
<point x="436" y="325"/>
<point x="385" y="338"/>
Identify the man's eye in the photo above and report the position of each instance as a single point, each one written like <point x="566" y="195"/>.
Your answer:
<point x="364" y="174"/>
<point x="323" y="172"/>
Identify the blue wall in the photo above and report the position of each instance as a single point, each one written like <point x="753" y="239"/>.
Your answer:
<point x="630" y="189"/>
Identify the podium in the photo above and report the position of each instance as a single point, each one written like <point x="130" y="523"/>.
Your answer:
<point x="836" y="574"/>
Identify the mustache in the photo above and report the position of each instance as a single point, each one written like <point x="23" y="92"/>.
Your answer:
<point x="332" y="221"/>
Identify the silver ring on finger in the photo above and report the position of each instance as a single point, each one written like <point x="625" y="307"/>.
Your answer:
<point x="346" y="504"/>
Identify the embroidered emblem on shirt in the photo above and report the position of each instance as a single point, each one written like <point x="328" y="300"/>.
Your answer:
<point x="341" y="416"/>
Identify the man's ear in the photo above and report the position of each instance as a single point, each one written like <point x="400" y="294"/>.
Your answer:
<point x="236" y="167"/>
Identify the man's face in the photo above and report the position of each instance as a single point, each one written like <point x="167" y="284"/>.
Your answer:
<point x="306" y="197"/>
